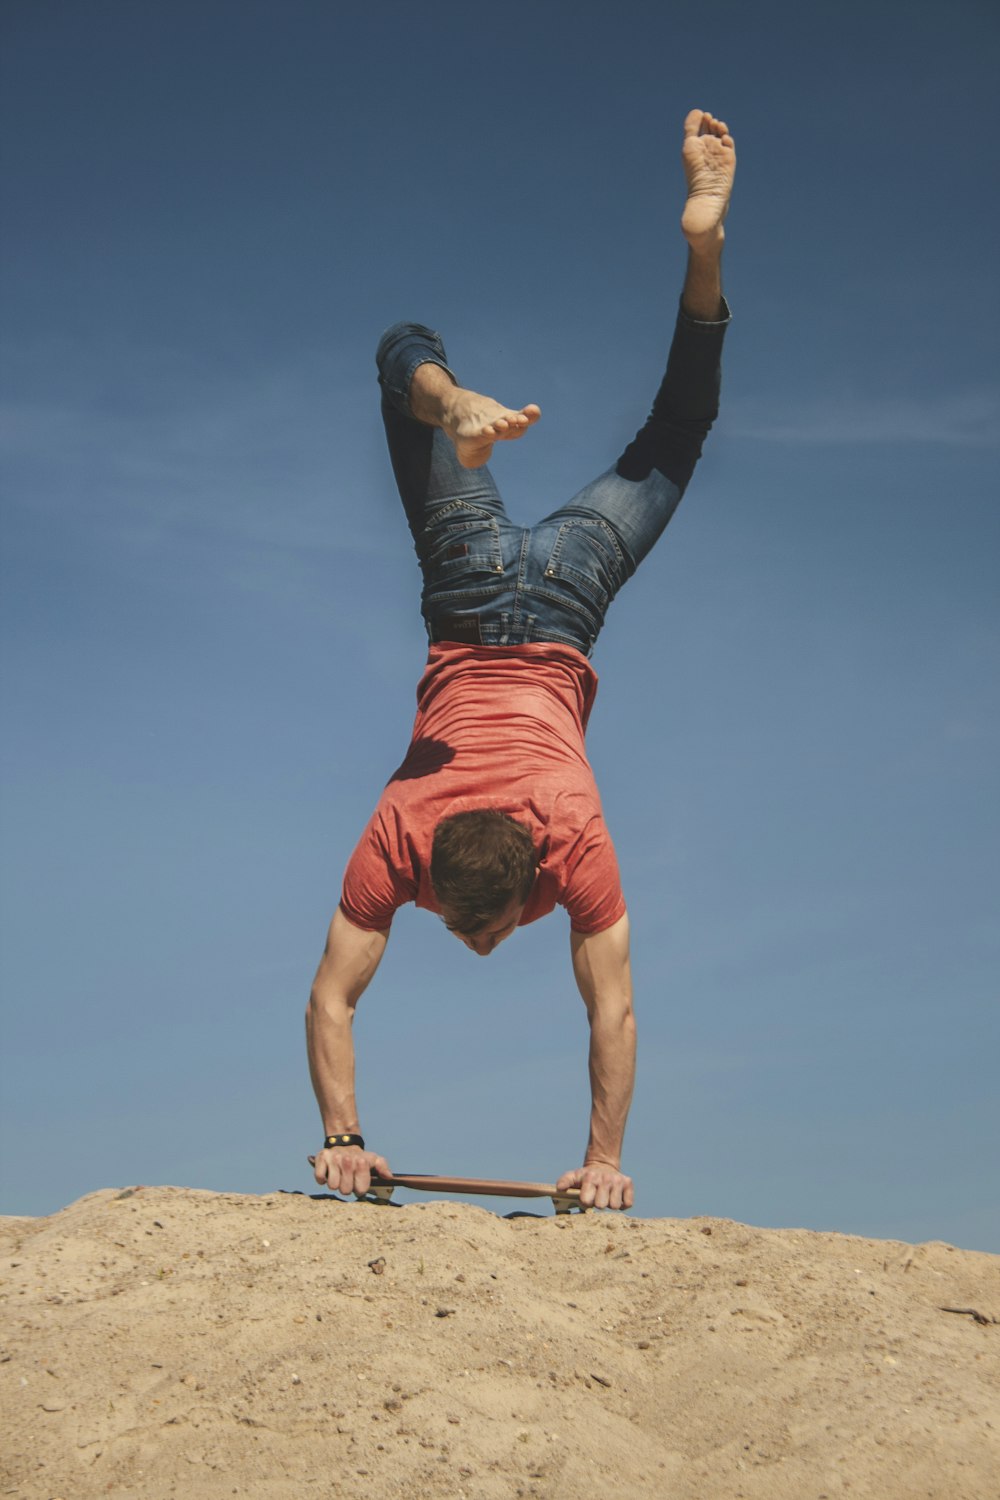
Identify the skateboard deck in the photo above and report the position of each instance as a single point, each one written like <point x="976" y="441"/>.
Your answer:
<point x="564" y="1201"/>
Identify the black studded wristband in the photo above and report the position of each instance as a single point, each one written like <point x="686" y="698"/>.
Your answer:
<point x="344" y="1139"/>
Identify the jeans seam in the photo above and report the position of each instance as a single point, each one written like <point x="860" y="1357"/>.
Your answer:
<point x="436" y="596"/>
<point x="566" y="603"/>
<point x="463" y="504"/>
<point x="522" y="563"/>
<point x="575" y="521"/>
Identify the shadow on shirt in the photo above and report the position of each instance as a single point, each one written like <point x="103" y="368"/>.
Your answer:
<point x="423" y="758"/>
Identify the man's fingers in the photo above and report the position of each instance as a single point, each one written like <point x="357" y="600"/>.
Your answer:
<point x="349" y="1181"/>
<point x="319" y="1166"/>
<point x="354" y="1175"/>
<point x="600" y="1187"/>
<point x="348" y="1170"/>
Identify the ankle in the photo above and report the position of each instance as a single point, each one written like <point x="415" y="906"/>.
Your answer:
<point x="706" y="245"/>
<point x="431" y="390"/>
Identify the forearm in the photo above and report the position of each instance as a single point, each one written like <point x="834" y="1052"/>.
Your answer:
<point x="351" y="956"/>
<point x="330" y="1046"/>
<point x="603" y="972"/>
<point x="612" y="1079"/>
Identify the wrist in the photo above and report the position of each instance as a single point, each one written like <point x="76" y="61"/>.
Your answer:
<point x="339" y="1138"/>
<point x="596" y="1158"/>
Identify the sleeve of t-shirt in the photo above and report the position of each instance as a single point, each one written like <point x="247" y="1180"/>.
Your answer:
<point x="373" y="887"/>
<point x="593" y="895"/>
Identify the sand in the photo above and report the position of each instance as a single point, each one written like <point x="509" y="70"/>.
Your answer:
<point x="170" y="1342"/>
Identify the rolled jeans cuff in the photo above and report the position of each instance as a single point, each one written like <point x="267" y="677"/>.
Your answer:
<point x="401" y="350"/>
<point x="722" y="322"/>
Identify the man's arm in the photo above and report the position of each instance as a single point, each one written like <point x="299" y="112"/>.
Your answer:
<point x="604" y="977"/>
<point x="350" y="959"/>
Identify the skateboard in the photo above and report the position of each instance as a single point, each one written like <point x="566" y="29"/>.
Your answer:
<point x="382" y="1188"/>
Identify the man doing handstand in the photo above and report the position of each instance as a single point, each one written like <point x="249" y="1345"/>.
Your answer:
<point x="494" y="817"/>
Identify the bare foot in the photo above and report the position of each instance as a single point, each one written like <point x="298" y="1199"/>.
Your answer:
<point x="709" y="156"/>
<point x="474" y="423"/>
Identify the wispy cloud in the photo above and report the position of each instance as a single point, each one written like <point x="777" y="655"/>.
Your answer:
<point x="969" y="418"/>
<point x="265" y="457"/>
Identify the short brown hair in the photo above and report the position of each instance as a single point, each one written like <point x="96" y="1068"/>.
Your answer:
<point x="481" y="862"/>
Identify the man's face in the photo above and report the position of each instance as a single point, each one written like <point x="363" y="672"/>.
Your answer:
<point x="487" y="938"/>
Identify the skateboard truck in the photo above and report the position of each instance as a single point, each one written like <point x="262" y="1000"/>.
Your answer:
<point x="563" y="1202"/>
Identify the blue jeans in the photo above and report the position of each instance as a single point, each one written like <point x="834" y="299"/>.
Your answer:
<point x="488" y="582"/>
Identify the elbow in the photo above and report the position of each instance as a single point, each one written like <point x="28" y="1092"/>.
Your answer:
<point x="327" y="1005"/>
<point x="625" y="1015"/>
<point x="613" y="1013"/>
<point x="626" y="1019"/>
<point x="312" y="1016"/>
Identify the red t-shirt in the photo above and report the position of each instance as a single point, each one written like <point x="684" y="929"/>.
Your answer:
<point x="503" y="727"/>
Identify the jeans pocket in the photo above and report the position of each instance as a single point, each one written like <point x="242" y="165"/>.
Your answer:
<point x="588" y="557"/>
<point x="460" y="539"/>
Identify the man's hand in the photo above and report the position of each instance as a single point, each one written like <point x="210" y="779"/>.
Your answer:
<point x="601" y="1186"/>
<point x="348" y="1169"/>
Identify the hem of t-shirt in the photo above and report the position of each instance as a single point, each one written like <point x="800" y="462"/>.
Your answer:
<point x="602" y="925"/>
<point x="364" y="926"/>
<point x="523" y="648"/>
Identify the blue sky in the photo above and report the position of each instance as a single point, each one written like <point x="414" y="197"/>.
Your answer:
<point x="210" y="627"/>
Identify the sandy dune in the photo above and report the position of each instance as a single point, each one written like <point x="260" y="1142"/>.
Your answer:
<point x="168" y="1342"/>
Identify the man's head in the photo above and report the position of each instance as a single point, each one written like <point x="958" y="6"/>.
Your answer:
<point x="483" y="866"/>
